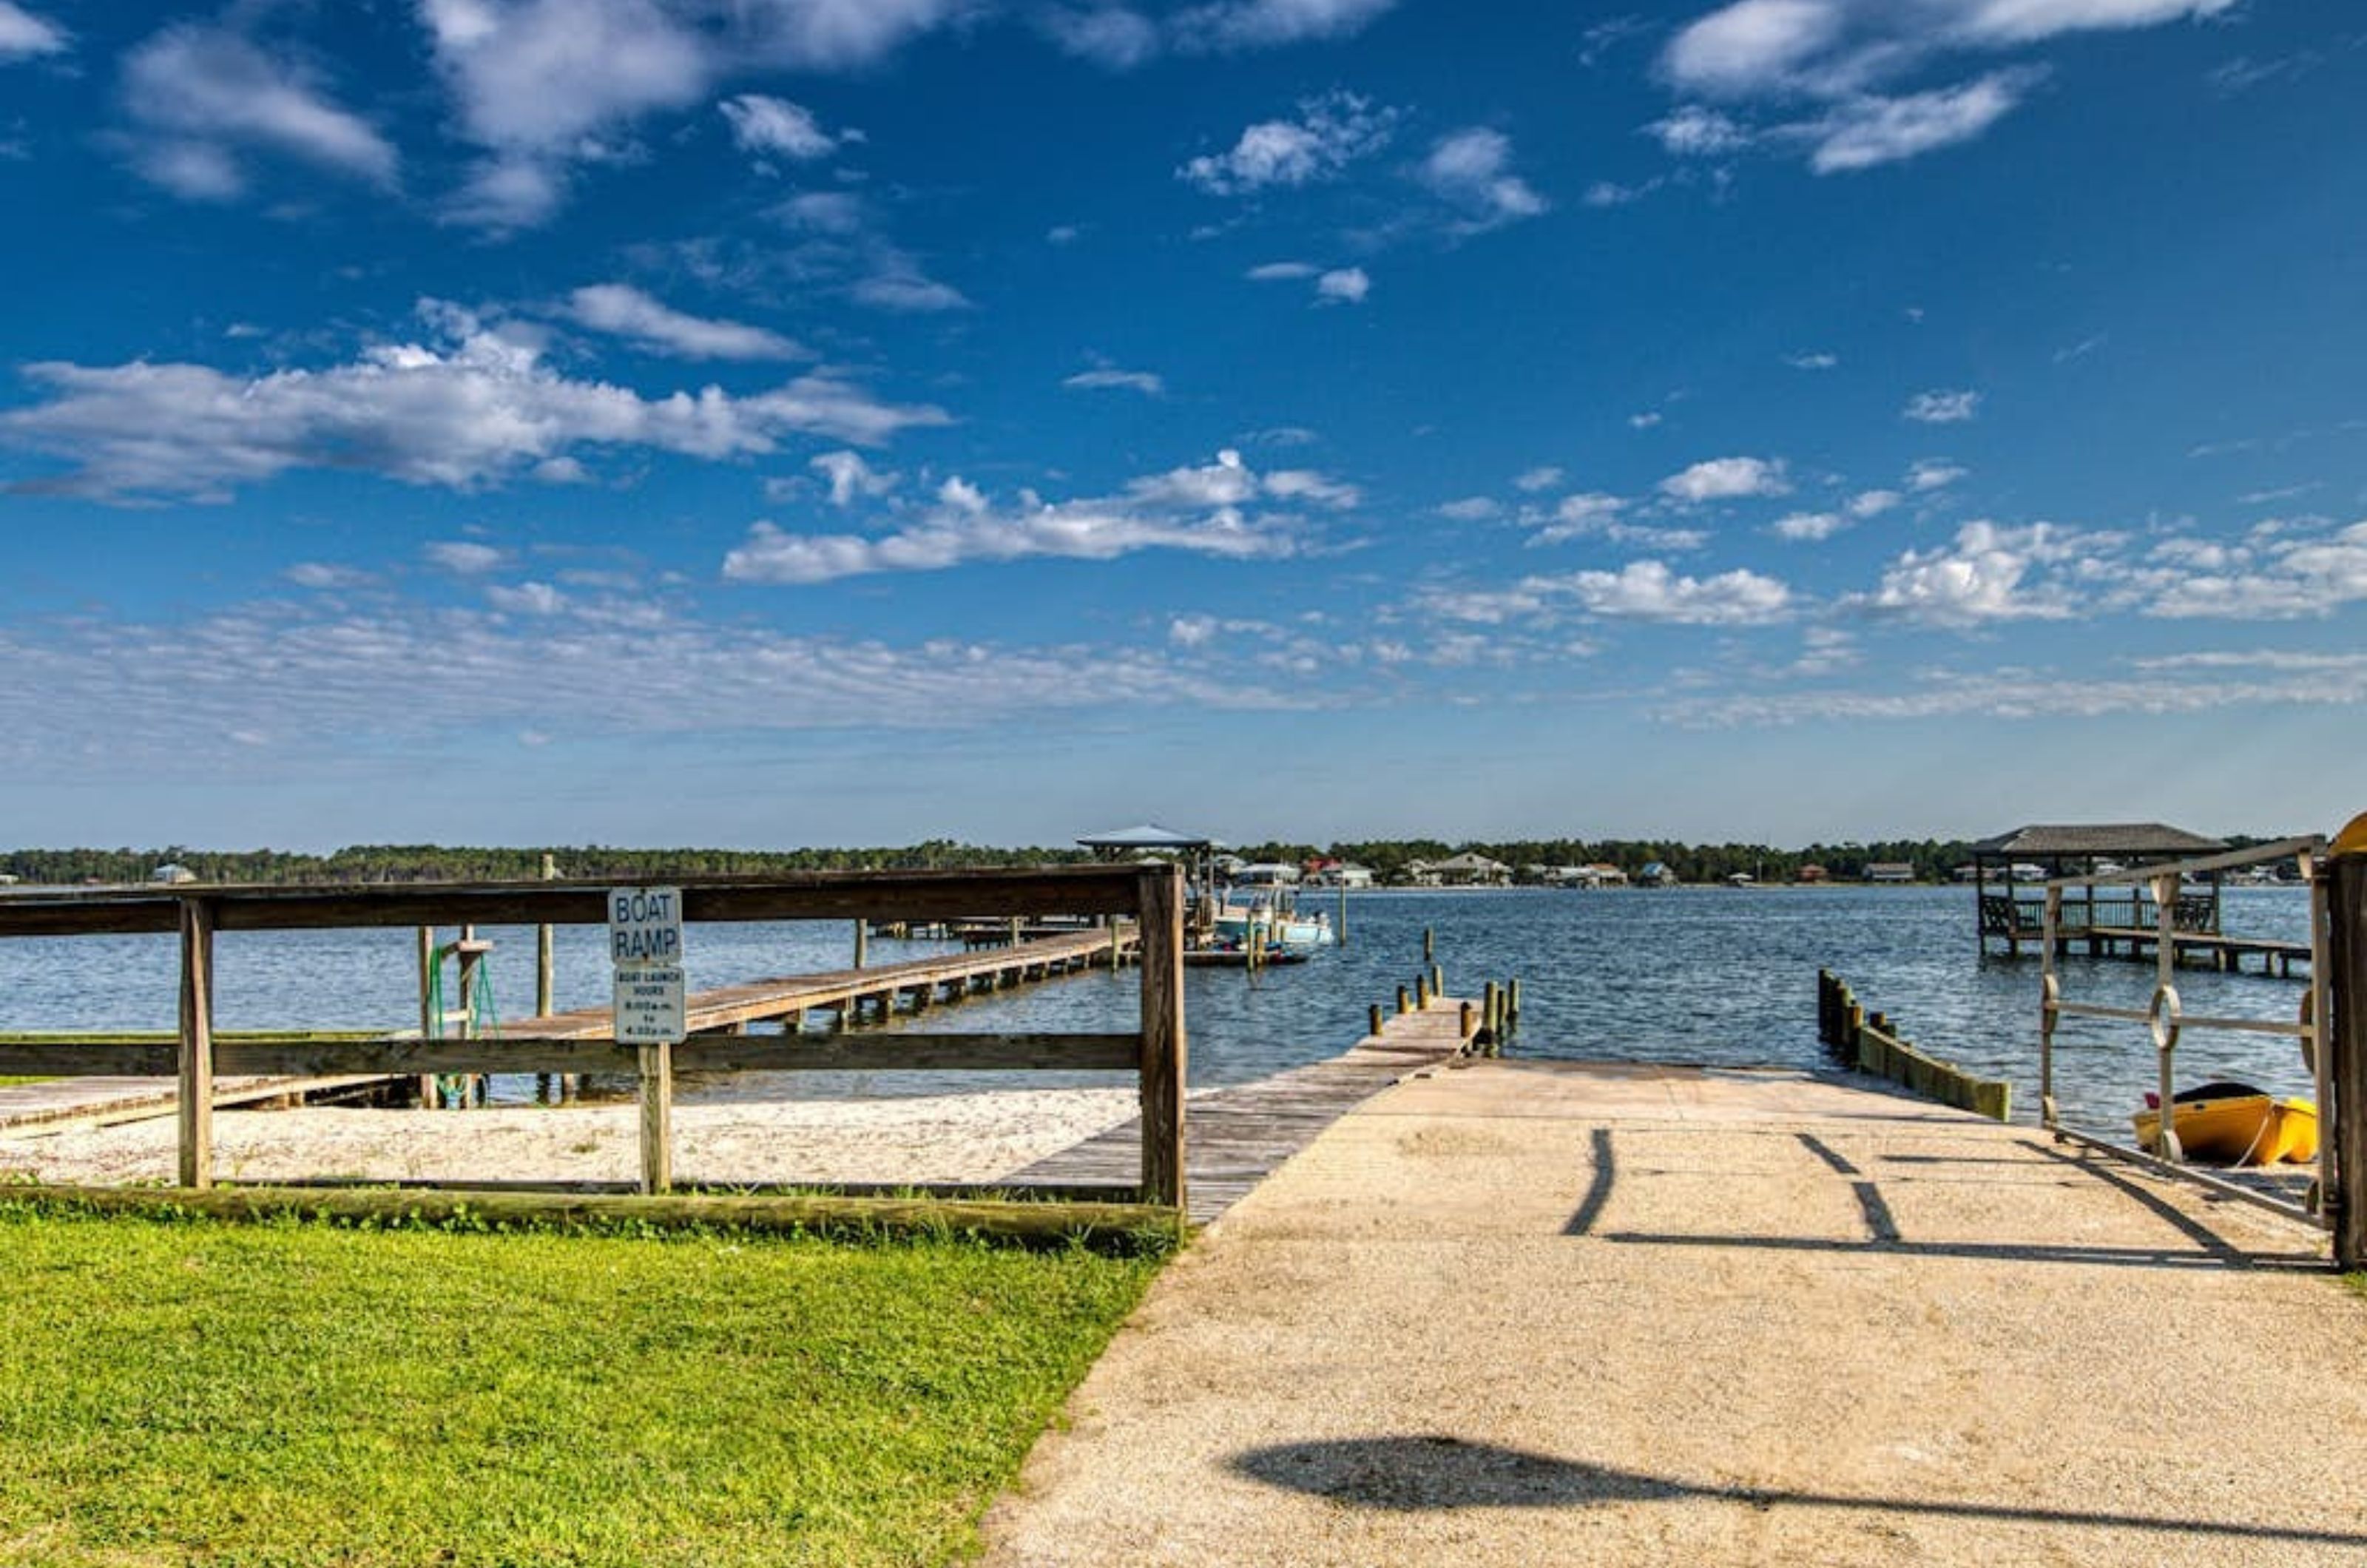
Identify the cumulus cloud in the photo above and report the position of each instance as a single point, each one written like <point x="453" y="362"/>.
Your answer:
<point x="1812" y="361"/>
<point x="1329" y="133"/>
<point x="1942" y="407"/>
<point x="463" y="556"/>
<point x="1471" y="509"/>
<point x="1807" y="528"/>
<point x="1865" y="132"/>
<point x="777" y="128"/>
<point x="1545" y="476"/>
<point x="850" y="478"/>
<point x="201" y="99"/>
<point x="1989" y="572"/>
<point x="1727" y="479"/>
<point x="1343" y="285"/>
<point x="1932" y="473"/>
<point x="1591" y="514"/>
<point x="1695" y="132"/>
<point x="1874" y="502"/>
<point x="545" y="84"/>
<point x="24" y="36"/>
<point x="1471" y="171"/>
<point x="625" y="311"/>
<point x="2274" y="574"/>
<point x="1117" y="37"/>
<point x="471" y="406"/>
<point x="1641" y="590"/>
<point x="1203" y="510"/>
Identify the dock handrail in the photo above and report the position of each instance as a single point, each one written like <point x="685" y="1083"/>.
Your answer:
<point x="2166" y="1020"/>
<point x="1152" y="896"/>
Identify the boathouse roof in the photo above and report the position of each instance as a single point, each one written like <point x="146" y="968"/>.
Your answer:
<point x="1145" y="836"/>
<point x="2063" y="840"/>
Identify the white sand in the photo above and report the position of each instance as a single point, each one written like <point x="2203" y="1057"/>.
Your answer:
<point x="954" y="1137"/>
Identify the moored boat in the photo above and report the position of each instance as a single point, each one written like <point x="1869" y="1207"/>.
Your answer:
<point x="2234" y="1123"/>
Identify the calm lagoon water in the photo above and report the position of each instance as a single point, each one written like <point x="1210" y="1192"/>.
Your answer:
<point x="1713" y="975"/>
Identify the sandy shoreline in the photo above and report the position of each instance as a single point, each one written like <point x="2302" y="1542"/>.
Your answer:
<point x="953" y="1137"/>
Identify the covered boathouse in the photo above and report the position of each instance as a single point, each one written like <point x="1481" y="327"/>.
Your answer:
<point x="2045" y="851"/>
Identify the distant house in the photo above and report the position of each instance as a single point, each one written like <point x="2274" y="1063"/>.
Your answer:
<point x="173" y="873"/>
<point x="1656" y="874"/>
<point x="1812" y="874"/>
<point x="1341" y="873"/>
<point x="1605" y="874"/>
<point x="1470" y="870"/>
<point x="1266" y="874"/>
<point x="1889" y="871"/>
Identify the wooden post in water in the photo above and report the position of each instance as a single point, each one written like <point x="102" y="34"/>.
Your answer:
<point x="862" y="942"/>
<point x="1164" y="1048"/>
<point x="1437" y="981"/>
<point x="1421" y="992"/>
<point x="1512" y="1002"/>
<point x="1466" y="1024"/>
<point x="2345" y="1046"/>
<point x="430" y="1026"/>
<point x="544" y="967"/>
<point x="1373" y="1020"/>
<point x="1340" y="935"/>
<point x="197" y="1085"/>
<point x="1405" y="1001"/>
<point x="1490" y="999"/>
<point x="1429" y="945"/>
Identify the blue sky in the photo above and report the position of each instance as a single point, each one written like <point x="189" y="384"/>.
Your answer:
<point x="781" y="422"/>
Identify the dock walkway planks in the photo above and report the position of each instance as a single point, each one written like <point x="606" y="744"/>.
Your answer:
<point x="842" y="990"/>
<point x="1236" y="1137"/>
<point x="105" y="1100"/>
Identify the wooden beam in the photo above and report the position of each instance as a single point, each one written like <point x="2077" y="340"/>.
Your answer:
<point x="1164" y="1047"/>
<point x="886" y="896"/>
<point x="196" y="1044"/>
<point x="2346" y="1049"/>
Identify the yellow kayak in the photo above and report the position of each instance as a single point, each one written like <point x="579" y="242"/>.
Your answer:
<point x="2236" y="1124"/>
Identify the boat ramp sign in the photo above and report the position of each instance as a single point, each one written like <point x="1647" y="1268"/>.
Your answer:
<point x="645" y="945"/>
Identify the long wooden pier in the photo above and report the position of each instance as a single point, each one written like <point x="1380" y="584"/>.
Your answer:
<point x="875" y="991"/>
<point x="2207" y="950"/>
<point x="1240" y="1136"/>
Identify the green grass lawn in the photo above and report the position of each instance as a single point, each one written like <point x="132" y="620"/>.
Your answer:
<point x="186" y="1391"/>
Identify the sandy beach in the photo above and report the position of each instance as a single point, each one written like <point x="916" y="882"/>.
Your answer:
<point x="952" y="1137"/>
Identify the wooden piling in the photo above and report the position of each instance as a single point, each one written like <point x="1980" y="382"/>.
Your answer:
<point x="430" y="1026"/>
<point x="1429" y="945"/>
<point x="1164" y="1049"/>
<point x="197" y="1075"/>
<point x="1373" y="1020"/>
<point x="862" y="942"/>
<point x="1421" y="992"/>
<point x="1405" y="1000"/>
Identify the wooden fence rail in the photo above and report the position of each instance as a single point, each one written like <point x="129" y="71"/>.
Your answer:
<point x="1869" y="1043"/>
<point x="1150" y="896"/>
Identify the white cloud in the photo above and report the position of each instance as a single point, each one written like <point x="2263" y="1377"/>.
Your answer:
<point x="776" y="126"/>
<point x="24" y="36"/>
<point x="1644" y="421"/>
<point x="1471" y="171"/>
<point x="1932" y="473"/>
<point x="1874" y="502"/>
<point x="1343" y="285"/>
<point x="1610" y="193"/>
<point x="326" y="576"/>
<point x="1257" y="24"/>
<point x="626" y="313"/>
<point x="850" y="478"/>
<point x="897" y="283"/>
<point x="527" y="599"/>
<point x="2024" y="694"/>
<point x="463" y="556"/>
<point x="2284" y="576"/>
<point x="1808" y="526"/>
<point x="1812" y="361"/>
<point x="1542" y="477"/>
<point x="1112" y="37"/>
<point x="201" y="96"/>
<point x="1942" y="407"/>
<point x="1146" y="382"/>
<point x="1693" y="131"/>
<point x="472" y="409"/>
<point x="1842" y="57"/>
<point x="1727" y="479"/>
<point x="1991" y="572"/>
<point x="316" y="683"/>
<point x="1471" y="509"/>
<point x="1592" y="515"/>
<point x="543" y="84"/>
<point x="1332" y="132"/>
<point x="1648" y="590"/>
<point x="1203" y="511"/>
<point x="1191" y="631"/>
<point x="1281" y="272"/>
<point x="1863" y="133"/>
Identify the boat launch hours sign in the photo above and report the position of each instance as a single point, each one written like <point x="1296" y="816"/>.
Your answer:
<point x="645" y="945"/>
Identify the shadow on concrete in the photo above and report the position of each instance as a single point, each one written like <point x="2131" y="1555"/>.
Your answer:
<point x="1435" y="1471"/>
<point x="1598" y="1190"/>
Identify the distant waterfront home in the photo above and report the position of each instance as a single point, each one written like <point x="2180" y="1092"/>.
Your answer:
<point x="1266" y="874"/>
<point x="1812" y="874"/>
<point x="1471" y="870"/>
<point x="1604" y="874"/>
<point x="174" y="873"/>
<point x="1889" y="871"/>
<point x="7" y="879"/>
<point x="1341" y="873"/>
<point x="1656" y="874"/>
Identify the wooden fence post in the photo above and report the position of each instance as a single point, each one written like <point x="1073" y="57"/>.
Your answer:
<point x="2346" y="1041"/>
<point x="657" y="1118"/>
<point x="1164" y="1048"/>
<point x="197" y="1088"/>
<point x="430" y="1025"/>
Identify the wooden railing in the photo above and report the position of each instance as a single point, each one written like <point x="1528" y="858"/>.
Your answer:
<point x="1152" y="896"/>
<point x="1872" y="1043"/>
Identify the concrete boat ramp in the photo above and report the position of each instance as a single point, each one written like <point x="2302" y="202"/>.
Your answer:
<point x="1513" y="1312"/>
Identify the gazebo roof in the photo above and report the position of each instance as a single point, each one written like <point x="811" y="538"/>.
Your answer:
<point x="2043" y="840"/>
<point x="1145" y="836"/>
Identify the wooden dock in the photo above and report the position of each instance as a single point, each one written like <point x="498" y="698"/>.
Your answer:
<point x="1236" y="1137"/>
<point x="874" y="992"/>
<point x="2204" y="949"/>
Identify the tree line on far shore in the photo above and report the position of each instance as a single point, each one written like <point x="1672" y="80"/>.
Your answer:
<point x="1391" y="861"/>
